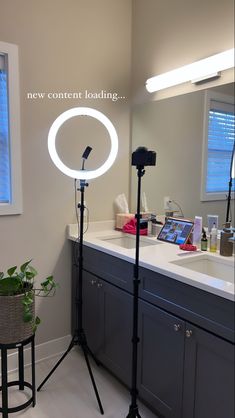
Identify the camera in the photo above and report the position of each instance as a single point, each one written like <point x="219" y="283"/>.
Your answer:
<point x="143" y="157"/>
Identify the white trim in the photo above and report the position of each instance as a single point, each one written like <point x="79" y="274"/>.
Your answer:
<point x="209" y="95"/>
<point x="42" y="351"/>
<point x="15" y="207"/>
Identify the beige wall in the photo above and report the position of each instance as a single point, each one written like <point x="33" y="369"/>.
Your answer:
<point x="168" y="34"/>
<point x="64" y="46"/>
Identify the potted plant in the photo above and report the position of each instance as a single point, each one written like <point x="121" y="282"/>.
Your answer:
<point x="17" y="302"/>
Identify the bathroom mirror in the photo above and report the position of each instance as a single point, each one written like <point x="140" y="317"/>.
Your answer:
<point x="173" y="127"/>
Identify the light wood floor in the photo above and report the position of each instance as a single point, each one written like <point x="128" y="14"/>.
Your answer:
<point x="69" y="394"/>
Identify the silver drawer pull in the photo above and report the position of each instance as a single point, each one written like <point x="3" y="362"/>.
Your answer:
<point x="93" y="282"/>
<point x="189" y="333"/>
<point x="99" y="284"/>
<point x="177" y="327"/>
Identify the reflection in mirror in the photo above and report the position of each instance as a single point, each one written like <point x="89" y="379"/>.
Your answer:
<point x="174" y="128"/>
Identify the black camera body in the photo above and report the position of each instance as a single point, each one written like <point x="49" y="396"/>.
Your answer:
<point x="143" y="157"/>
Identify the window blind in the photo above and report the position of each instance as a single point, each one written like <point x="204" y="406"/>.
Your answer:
<point x="5" y="183"/>
<point x="221" y="136"/>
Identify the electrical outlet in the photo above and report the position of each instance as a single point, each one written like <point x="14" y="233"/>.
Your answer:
<point x="167" y="203"/>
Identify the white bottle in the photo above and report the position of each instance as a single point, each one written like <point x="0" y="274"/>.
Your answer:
<point x="213" y="239"/>
<point x="197" y="231"/>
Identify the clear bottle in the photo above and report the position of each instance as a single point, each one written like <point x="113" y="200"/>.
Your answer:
<point x="204" y="240"/>
<point x="213" y="239"/>
<point x="226" y="247"/>
<point x="197" y="231"/>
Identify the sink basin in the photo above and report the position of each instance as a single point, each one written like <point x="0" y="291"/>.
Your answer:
<point x="212" y="266"/>
<point x="127" y="241"/>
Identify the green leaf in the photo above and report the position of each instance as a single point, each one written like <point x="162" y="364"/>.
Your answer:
<point x="45" y="283"/>
<point x="33" y="271"/>
<point x="27" y="300"/>
<point x="29" y="275"/>
<point x="37" y="320"/>
<point x="11" y="270"/>
<point x="21" y="275"/>
<point x="27" y="317"/>
<point x="35" y="323"/>
<point x="10" y="286"/>
<point x="24" y="266"/>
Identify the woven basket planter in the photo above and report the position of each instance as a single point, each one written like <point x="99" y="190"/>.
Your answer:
<point x="13" y="329"/>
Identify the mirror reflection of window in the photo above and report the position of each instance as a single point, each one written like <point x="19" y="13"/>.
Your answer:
<point x="220" y="140"/>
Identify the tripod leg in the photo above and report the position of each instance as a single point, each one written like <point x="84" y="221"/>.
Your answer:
<point x="133" y="413"/>
<point x="93" y="380"/>
<point x="57" y="364"/>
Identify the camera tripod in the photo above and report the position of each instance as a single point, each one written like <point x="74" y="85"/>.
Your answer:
<point x="133" y="409"/>
<point x="79" y="337"/>
<point x="140" y="158"/>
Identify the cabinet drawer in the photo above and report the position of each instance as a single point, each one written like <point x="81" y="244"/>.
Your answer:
<point x="205" y="309"/>
<point x="107" y="267"/>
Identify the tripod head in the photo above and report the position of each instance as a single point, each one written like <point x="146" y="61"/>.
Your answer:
<point x="142" y="157"/>
<point x="85" y="155"/>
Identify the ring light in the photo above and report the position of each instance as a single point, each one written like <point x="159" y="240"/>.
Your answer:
<point x="82" y="174"/>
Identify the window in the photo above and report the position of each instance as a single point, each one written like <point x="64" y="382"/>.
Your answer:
<point x="5" y="192"/>
<point x="10" y="156"/>
<point x="219" y="136"/>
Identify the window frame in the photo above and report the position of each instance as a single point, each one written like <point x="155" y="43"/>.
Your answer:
<point x="15" y="206"/>
<point x="209" y="96"/>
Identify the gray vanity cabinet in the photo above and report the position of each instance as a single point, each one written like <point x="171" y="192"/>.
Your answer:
<point x="184" y="372"/>
<point x="107" y="323"/>
<point x="91" y="312"/>
<point x="208" y="375"/>
<point x="186" y="349"/>
<point x="161" y="360"/>
<point x="116" y="330"/>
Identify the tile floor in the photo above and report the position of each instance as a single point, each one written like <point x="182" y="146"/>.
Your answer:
<point x="69" y="394"/>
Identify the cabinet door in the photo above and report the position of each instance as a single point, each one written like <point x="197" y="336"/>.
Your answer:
<point x="161" y="358"/>
<point x="116" y="330"/>
<point x="91" y="312"/>
<point x="209" y="376"/>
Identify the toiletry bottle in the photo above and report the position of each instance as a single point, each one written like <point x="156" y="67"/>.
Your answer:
<point x="226" y="247"/>
<point x="204" y="240"/>
<point x="213" y="239"/>
<point x="197" y="231"/>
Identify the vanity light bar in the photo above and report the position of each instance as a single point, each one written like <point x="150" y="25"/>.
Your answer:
<point x="197" y="71"/>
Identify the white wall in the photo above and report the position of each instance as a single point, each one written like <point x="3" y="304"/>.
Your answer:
<point x="69" y="45"/>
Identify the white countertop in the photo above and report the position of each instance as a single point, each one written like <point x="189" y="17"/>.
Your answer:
<point x="159" y="258"/>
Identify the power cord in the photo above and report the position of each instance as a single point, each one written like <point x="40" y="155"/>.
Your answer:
<point x="178" y="206"/>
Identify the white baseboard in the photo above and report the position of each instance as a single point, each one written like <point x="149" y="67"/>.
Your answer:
<point x="42" y="352"/>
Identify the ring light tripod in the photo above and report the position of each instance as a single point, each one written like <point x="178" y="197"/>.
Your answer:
<point x="79" y="337"/>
